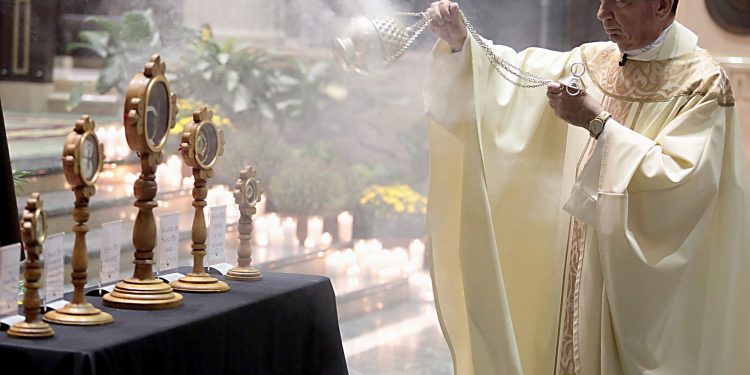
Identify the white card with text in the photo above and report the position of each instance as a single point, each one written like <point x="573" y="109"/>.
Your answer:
<point x="11" y="320"/>
<point x="59" y="304"/>
<point x="10" y="263"/>
<point x="217" y="229"/>
<point x="54" y="268"/>
<point x="169" y="241"/>
<point x="110" y="254"/>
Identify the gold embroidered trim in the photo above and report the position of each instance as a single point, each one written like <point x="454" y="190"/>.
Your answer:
<point x="725" y="99"/>
<point x="637" y="115"/>
<point x="570" y="357"/>
<point x="620" y="109"/>
<point x="692" y="74"/>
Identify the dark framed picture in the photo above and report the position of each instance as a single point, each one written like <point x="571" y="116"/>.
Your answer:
<point x="731" y="15"/>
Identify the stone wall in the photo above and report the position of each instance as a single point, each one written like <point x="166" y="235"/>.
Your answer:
<point x="731" y="50"/>
<point x="718" y="41"/>
<point x="238" y="19"/>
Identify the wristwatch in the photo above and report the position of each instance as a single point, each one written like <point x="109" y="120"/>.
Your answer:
<point x="596" y="126"/>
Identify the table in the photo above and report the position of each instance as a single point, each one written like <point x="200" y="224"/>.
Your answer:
<point x="284" y="324"/>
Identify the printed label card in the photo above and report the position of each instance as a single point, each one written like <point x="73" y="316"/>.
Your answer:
<point x="10" y="263"/>
<point x="217" y="229"/>
<point x="59" y="304"/>
<point x="169" y="241"/>
<point x="110" y="254"/>
<point x="54" y="268"/>
<point x="222" y="268"/>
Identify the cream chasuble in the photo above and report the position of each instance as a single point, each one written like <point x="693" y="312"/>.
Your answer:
<point x="555" y="254"/>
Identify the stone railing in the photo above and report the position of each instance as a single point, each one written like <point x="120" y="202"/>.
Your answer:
<point x="738" y="69"/>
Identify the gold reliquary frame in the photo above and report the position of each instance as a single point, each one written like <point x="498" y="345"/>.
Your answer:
<point x="140" y="91"/>
<point x="189" y="141"/>
<point x="72" y="159"/>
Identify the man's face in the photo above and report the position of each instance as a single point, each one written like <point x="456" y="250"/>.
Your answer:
<point x="631" y="24"/>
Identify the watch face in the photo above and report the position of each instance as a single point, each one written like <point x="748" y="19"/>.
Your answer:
<point x="40" y="225"/>
<point x="596" y="126"/>
<point x="89" y="157"/>
<point x="157" y="113"/>
<point x="206" y="145"/>
<point x="251" y="191"/>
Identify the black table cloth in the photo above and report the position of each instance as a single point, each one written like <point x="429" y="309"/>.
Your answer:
<point x="284" y="324"/>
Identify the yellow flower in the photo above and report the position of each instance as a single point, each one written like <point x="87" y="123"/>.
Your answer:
<point x="180" y="125"/>
<point x="398" y="199"/>
<point x="186" y="107"/>
<point x="206" y="33"/>
<point x="335" y="92"/>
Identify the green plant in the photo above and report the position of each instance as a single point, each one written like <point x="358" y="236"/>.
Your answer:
<point x="249" y="80"/>
<point x="306" y="89"/>
<point x="414" y="140"/>
<point x="306" y="186"/>
<point x="125" y="45"/>
<point x="393" y="210"/>
<point x="392" y="201"/>
<point x="264" y="150"/>
<point x="255" y="85"/>
<point x="19" y="179"/>
<point x="185" y="110"/>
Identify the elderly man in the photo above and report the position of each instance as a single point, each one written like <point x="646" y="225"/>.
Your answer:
<point x="601" y="233"/>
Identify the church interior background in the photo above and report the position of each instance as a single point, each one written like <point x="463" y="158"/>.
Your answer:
<point x="344" y="155"/>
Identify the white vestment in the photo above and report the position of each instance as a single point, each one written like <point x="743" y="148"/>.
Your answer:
<point x="649" y="273"/>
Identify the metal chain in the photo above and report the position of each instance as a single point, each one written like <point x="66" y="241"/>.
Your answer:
<point x="501" y="65"/>
<point x="426" y="20"/>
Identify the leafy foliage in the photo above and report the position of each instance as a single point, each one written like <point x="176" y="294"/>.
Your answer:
<point x="185" y="110"/>
<point x="307" y="186"/>
<point x="393" y="210"/>
<point x="125" y="45"/>
<point x="19" y="179"/>
<point x="278" y="110"/>
<point x="254" y="81"/>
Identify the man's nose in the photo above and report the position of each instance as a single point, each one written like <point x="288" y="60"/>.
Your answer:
<point x="604" y="13"/>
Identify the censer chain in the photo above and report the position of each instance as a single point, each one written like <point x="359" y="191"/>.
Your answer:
<point x="501" y="65"/>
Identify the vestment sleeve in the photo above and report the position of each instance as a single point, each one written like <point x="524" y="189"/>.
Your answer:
<point x="496" y="153"/>
<point x="671" y="180"/>
<point x="670" y="217"/>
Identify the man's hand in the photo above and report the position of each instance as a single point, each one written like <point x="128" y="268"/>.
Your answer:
<point x="447" y="23"/>
<point x="577" y="110"/>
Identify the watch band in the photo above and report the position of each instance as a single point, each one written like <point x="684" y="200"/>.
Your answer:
<point x="596" y="126"/>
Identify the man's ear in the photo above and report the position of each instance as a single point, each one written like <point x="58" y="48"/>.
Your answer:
<point x="664" y="9"/>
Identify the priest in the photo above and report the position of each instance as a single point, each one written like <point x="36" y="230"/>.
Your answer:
<point x="599" y="233"/>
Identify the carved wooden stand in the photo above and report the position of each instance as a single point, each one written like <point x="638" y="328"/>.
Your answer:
<point x="245" y="271"/>
<point x="143" y="291"/>
<point x="198" y="280"/>
<point x="31" y="327"/>
<point x="78" y="311"/>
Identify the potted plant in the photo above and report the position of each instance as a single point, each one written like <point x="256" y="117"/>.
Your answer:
<point x="394" y="211"/>
<point x="124" y="45"/>
<point x="305" y="186"/>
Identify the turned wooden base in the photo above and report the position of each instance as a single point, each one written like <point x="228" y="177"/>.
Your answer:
<point x="244" y="274"/>
<point x="78" y="314"/>
<point x="199" y="283"/>
<point x="33" y="330"/>
<point x="136" y="294"/>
